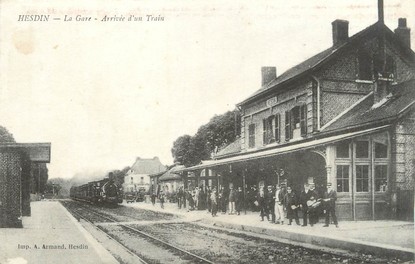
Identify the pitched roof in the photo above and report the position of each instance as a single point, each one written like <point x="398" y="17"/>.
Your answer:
<point x="401" y="99"/>
<point x="147" y="166"/>
<point x="171" y="174"/>
<point x="319" y="59"/>
<point x="157" y="174"/>
<point x="232" y="148"/>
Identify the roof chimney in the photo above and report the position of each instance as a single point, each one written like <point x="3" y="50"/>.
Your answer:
<point x="403" y="32"/>
<point x="340" y="31"/>
<point x="268" y="74"/>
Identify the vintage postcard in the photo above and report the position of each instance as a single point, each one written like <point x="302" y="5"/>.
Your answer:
<point x="207" y="131"/>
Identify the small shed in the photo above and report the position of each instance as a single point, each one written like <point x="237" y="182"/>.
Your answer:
<point x="15" y="179"/>
<point x="171" y="180"/>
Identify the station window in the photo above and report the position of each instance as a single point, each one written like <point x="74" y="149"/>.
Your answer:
<point x="288" y="131"/>
<point x="271" y="129"/>
<point x="385" y="67"/>
<point x="277" y="127"/>
<point x="342" y="150"/>
<point x="362" y="149"/>
<point x="296" y="118"/>
<point x="362" y="178"/>
<point x="365" y="65"/>
<point x="268" y="130"/>
<point x="381" y="150"/>
<point x="251" y="133"/>
<point x="342" y="178"/>
<point x="381" y="178"/>
<point x="303" y="119"/>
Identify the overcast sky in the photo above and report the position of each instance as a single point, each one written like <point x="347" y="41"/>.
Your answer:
<point x="104" y="93"/>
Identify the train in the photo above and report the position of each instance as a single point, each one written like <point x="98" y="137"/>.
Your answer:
<point x="98" y="192"/>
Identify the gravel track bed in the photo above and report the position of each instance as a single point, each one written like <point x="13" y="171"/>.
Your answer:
<point x="77" y="211"/>
<point x="135" y="214"/>
<point x="230" y="247"/>
<point x="122" y="213"/>
<point x="147" y="249"/>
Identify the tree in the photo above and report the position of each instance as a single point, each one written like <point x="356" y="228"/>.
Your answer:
<point x="118" y="175"/>
<point x="6" y="136"/>
<point x="53" y="188"/>
<point x="181" y="150"/>
<point x="60" y="185"/>
<point x="220" y="131"/>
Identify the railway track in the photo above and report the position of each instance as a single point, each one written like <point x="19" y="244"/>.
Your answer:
<point x="94" y="217"/>
<point x="79" y="216"/>
<point x="207" y="244"/>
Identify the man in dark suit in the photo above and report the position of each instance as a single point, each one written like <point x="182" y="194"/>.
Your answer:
<point x="304" y="197"/>
<point x="330" y="197"/>
<point x="180" y="195"/>
<point x="261" y="199"/>
<point x="291" y="205"/>
<point x="314" y="218"/>
<point x="270" y="200"/>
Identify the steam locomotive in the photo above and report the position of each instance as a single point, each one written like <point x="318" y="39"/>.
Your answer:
<point x="98" y="192"/>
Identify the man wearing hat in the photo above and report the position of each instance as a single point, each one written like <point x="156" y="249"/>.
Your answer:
<point x="330" y="197"/>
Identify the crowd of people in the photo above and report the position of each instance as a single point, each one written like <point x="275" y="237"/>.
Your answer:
<point x="283" y="203"/>
<point x="277" y="204"/>
<point x="211" y="199"/>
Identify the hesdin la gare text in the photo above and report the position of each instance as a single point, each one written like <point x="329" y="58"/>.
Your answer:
<point x="67" y="18"/>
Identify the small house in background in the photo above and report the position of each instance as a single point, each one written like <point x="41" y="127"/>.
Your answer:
<point x="16" y="161"/>
<point x="138" y="177"/>
<point x="171" y="180"/>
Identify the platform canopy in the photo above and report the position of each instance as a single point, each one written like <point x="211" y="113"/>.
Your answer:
<point x="283" y="150"/>
<point x="37" y="152"/>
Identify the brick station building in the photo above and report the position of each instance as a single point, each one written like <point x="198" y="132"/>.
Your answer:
<point x="15" y="179"/>
<point x="345" y="116"/>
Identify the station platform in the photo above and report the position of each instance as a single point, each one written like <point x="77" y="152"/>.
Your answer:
<point x="51" y="235"/>
<point x="387" y="238"/>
